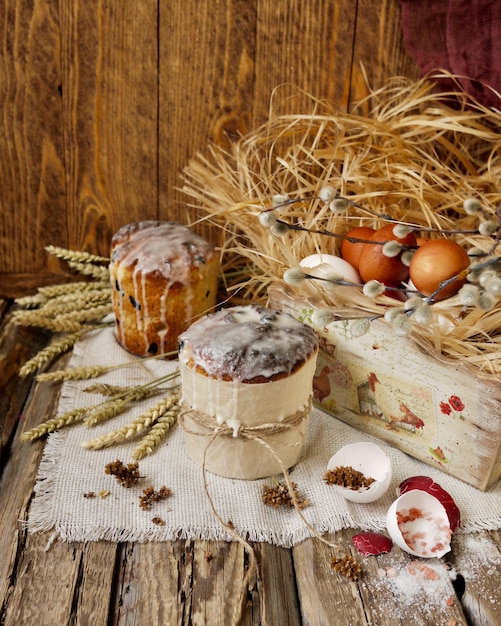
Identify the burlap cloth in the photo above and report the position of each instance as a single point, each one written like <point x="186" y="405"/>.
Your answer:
<point x="68" y="471"/>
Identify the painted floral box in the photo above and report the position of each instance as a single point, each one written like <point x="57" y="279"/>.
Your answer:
<point x="434" y="409"/>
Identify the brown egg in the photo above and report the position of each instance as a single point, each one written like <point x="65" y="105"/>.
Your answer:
<point x="435" y="261"/>
<point x="351" y="251"/>
<point x="374" y="265"/>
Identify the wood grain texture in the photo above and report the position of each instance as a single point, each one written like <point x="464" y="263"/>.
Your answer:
<point x="103" y="103"/>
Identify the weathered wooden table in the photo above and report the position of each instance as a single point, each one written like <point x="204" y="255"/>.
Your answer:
<point x="44" y="581"/>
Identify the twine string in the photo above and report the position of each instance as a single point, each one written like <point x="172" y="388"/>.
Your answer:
<point x="259" y="433"/>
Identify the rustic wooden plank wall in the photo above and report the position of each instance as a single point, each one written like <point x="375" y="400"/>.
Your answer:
<point x="103" y="102"/>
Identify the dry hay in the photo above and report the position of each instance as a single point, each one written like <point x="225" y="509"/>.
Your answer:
<point x="409" y="152"/>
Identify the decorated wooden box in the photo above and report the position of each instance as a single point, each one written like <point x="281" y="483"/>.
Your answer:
<point x="434" y="409"/>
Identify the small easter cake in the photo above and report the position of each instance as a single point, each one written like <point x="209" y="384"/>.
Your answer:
<point x="163" y="277"/>
<point x="246" y="375"/>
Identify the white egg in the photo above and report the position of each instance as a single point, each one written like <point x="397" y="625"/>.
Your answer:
<point x="417" y="522"/>
<point x="325" y="264"/>
<point x="368" y="458"/>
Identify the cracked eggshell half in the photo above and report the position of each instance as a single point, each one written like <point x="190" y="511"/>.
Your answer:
<point x="368" y="458"/>
<point x="417" y="523"/>
<point x="323" y="265"/>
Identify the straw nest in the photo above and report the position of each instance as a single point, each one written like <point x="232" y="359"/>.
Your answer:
<point x="405" y="151"/>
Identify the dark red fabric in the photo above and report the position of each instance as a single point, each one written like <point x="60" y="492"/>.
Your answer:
<point x="460" y="36"/>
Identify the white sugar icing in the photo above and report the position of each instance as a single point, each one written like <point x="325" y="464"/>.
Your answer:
<point x="247" y="342"/>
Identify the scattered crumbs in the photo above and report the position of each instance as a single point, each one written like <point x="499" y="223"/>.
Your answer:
<point x="158" y="521"/>
<point x="126" y="475"/>
<point x="150" y="496"/>
<point x="279" y="495"/>
<point x="347" y="566"/>
<point x="89" y="494"/>
<point x="104" y="494"/>
<point x="348" y="477"/>
<point x="230" y="524"/>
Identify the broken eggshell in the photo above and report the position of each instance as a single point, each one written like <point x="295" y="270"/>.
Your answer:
<point x="371" y="543"/>
<point x="418" y="523"/>
<point x="425" y="483"/>
<point x="323" y="265"/>
<point x="368" y="458"/>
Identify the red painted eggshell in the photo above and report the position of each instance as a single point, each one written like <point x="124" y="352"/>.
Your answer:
<point x="425" y="483"/>
<point x="372" y="543"/>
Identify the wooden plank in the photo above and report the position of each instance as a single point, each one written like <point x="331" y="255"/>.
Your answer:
<point x="401" y="596"/>
<point x="165" y="570"/>
<point x="277" y="586"/>
<point x="326" y="597"/>
<point x="17" y="483"/>
<point x="95" y="585"/>
<point x="477" y="560"/>
<point x="33" y="192"/>
<point x="206" y="70"/>
<point x="378" y="53"/>
<point x="109" y="55"/>
<point x="44" y="584"/>
<point x="17" y="345"/>
<point x="303" y="46"/>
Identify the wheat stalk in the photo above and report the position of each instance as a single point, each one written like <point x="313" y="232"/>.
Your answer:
<point x="53" y="291"/>
<point x="60" y="421"/>
<point x="157" y="433"/>
<point x="134" y="428"/>
<point x="75" y="256"/>
<point x="88" y="269"/>
<point x="50" y="352"/>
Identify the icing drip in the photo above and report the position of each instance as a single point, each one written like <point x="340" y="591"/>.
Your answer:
<point x="164" y="276"/>
<point x="247" y="342"/>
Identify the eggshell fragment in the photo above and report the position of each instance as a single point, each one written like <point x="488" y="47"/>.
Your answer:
<point x="425" y="483"/>
<point x="368" y="458"/>
<point x="418" y="524"/>
<point x="325" y="264"/>
<point x="372" y="543"/>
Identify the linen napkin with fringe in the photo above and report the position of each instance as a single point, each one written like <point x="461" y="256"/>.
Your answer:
<point x="68" y="473"/>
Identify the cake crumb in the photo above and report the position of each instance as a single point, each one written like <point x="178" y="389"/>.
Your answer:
<point x="158" y="521"/>
<point x="279" y="495"/>
<point x="348" y="477"/>
<point x="89" y="494"/>
<point x="347" y="566"/>
<point x="126" y="475"/>
<point x="150" y="496"/>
